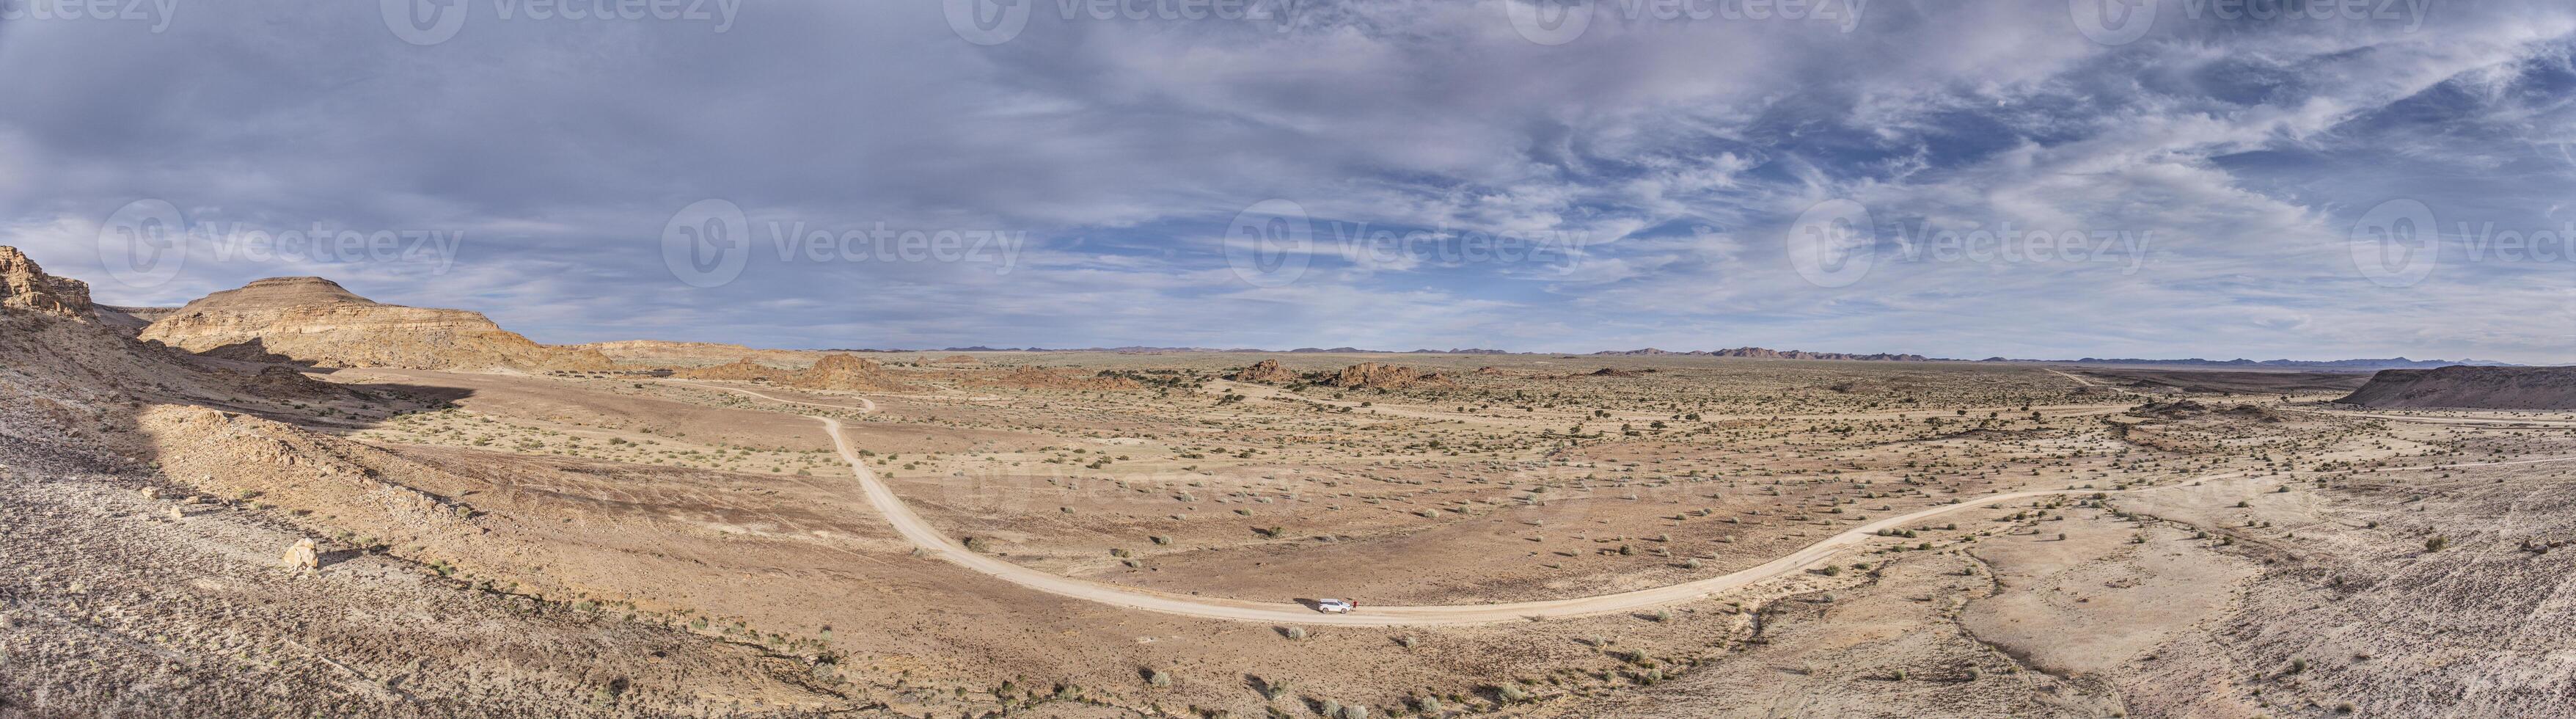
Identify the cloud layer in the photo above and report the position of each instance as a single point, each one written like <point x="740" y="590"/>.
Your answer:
<point x="1952" y="179"/>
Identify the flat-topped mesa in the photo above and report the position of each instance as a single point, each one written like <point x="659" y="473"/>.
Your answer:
<point x="2465" y="387"/>
<point x="316" y="321"/>
<point x="25" y="287"/>
<point x="283" y="292"/>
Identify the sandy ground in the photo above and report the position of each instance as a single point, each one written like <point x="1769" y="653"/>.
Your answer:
<point x="1697" y="537"/>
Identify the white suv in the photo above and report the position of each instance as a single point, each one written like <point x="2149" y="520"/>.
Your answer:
<point x="1334" y="606"/>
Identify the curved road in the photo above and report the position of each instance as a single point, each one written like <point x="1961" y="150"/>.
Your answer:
<point x="930" y="539"/>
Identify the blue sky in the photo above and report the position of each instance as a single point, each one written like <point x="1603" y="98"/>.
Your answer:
<point x="2025" y="179"/>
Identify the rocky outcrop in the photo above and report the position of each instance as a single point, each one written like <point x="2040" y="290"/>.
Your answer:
<point x="1371" y="375"/>
<point x="847" y="372"/>
<point x="2469" y="388"/>
<point x="315" y="321"/>
<point x="1263" y="371"/>
<point x="25" y="287"/>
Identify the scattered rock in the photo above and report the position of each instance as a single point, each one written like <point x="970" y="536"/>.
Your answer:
<point x="303" y="556"/>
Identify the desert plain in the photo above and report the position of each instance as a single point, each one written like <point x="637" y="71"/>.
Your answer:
<point x="671" y="528"/>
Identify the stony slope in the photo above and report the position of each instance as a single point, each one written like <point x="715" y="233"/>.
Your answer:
<point x="316" y="321"/>
<point x="2470" y="388"/>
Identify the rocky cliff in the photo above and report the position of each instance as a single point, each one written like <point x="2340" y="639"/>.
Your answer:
<point x="24" y="286"/>
<point x="2470" y="388"/>
<point x="316" y="321"/>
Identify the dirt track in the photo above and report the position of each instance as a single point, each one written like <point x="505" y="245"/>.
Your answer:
<point x="930" y="539"/>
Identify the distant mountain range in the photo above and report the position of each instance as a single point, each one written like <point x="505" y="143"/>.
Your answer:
<point x="2355" y="365"/>
<point x="2344" y="365"/>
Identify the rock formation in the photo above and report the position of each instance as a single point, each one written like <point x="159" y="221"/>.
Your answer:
<point x="316" y="321"/>
<point x="1371" y="375"/>
<point x="2466" y="387"/>
<point x="24" y="286"/>
<point x="849" y="372"/>
<point x="1263" y="371"/>
<point x="303" y="556"/>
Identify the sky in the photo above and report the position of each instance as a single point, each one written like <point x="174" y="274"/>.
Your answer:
<point x="2040" y="179"/>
